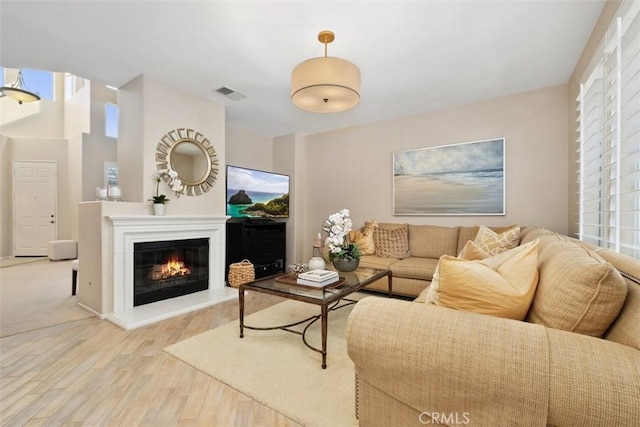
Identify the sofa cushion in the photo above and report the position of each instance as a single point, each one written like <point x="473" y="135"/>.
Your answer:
<point x="373" y="261"/>
<point x="502" y="285"/>
<point x="578" y="291"/>
<point x="414" y="268"/>
<point x="364" y="238"/>
<point x="430" y="241"/>
<point x="494" y="242"/>
<point x="392" y="243"/>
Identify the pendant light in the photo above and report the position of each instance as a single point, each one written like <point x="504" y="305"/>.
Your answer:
<point x="19" y="92"/>
<point x="325" y="84"/>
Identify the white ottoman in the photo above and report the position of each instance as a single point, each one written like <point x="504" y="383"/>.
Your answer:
<point x="62" y="249"/>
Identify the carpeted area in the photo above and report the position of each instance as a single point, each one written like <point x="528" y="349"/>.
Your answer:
<point x="277" y="369"/>
<point x="37" y="295"/>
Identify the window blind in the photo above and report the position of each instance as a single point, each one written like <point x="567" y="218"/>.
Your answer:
<point x="609" y="138"/>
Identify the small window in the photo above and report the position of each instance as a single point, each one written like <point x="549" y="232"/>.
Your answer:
<point x="111" y="120"/>
<point x="40" y="82"/>
<point x="69" y="86"/>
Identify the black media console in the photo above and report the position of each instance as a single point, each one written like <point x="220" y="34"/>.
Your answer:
<point x="263" y="242"/>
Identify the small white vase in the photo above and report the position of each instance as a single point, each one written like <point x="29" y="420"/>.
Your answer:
<point x="158" y="209"/>
<point x="316" y="263"/>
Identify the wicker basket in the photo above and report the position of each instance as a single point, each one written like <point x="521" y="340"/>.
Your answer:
<point x="240" y="273"/>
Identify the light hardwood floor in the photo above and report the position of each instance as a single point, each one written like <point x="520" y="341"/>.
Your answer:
<point x="90" y="372"/>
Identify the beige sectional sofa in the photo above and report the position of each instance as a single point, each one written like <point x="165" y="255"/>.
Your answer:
<point x="426" y="244"/>
<point x="574" y="360"/>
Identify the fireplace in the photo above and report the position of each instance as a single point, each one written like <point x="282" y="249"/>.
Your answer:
<point x="169" y="269"/>
<point x="131" y="230"/>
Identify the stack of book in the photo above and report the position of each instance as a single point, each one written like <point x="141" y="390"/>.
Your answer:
<point x="317" y="278"/>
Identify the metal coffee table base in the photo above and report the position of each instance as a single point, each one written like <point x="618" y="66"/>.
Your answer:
<point x="309" y="321"/>
<point x="328" y="298"/>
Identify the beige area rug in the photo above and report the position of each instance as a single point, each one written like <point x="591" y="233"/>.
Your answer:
<point x="11" y="261"/>
<point x="37" y="295"/>
<point x="276" y="369"/>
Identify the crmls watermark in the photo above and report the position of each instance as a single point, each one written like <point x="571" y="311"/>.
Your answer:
<point x="446" y="418"/>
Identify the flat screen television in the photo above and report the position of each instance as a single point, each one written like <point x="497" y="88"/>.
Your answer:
<point x="256" y="194"/>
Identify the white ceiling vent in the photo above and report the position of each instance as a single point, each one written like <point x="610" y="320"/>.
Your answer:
<point x="230" y="93"/>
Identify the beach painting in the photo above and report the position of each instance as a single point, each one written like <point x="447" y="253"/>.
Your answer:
<point x="458" y="179"/>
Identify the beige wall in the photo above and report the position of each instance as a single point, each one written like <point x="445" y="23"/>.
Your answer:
<point x="76" y="124"/>
<point x="149" y="109"/>
<point x="289" y="152"/>
<point x="248" y="149"/>
<point x="352" y="168"/>
<point x="130" y="133"/>
<point x="5" y="199"/>
<point x="97" y="147"/>
<point x="74" y="181"/>
<point x="607" y="15"/>
<point x="77" y="115"/>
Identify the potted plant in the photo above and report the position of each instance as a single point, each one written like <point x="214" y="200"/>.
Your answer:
<point x="344" y="255"/>
<point x="175" y="183"/>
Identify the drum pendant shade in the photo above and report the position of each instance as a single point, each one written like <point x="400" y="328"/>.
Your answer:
<point x="325" y="84"/>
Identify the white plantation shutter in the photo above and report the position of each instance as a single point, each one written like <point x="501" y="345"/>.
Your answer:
<point x="629" y="204"/>
<point x="609" y="138"/>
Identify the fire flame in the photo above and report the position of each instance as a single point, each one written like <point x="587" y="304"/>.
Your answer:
<point x="173" y="267"/>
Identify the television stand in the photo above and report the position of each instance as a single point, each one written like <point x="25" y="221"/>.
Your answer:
<point x="260" y="221"/>
<point x="261" y="241"/>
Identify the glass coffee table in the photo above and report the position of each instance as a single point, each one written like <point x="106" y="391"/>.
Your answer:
<point x="332" y="297"/>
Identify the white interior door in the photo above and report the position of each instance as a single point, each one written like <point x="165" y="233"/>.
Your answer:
<point x="35" y="192"/>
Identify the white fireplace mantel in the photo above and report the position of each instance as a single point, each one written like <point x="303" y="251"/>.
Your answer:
<point x="128" y="230"/>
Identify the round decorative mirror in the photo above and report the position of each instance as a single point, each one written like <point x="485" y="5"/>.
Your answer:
<point x="192" y="156"/>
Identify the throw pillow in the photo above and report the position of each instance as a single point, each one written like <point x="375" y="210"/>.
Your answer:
<point x="578" y="290"/>
<point x="471" y="252"/>
<point x="503" y="285"/>
<point x="364" y="239"/>
<point x="392" y="243"/>
<point x="373" y="224"/>
<point x="494" y="243"/>
<point x="476" y="228"/>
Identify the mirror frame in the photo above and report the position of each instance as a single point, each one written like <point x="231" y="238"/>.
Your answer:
<point x="170" y="141"/>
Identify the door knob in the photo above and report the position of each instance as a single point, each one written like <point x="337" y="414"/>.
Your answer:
<point x="51" y="222"/>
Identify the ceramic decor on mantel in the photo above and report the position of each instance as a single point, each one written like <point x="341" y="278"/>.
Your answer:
<point x="159" y="209"/>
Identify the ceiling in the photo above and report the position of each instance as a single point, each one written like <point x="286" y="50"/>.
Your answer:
<point x="414" y="56"/>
